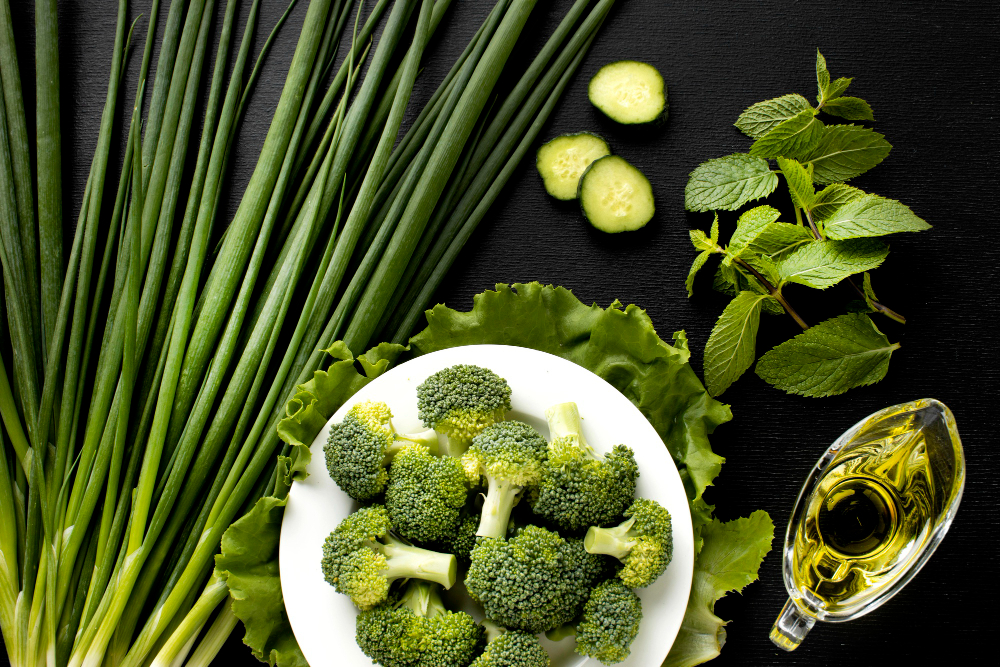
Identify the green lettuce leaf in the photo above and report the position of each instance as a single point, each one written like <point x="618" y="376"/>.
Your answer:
<point x="617" y="343"/>
<point x="728" y="561"/>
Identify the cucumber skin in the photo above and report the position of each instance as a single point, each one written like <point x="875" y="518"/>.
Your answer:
<point x="569" y="135"/>
<point x="583" y="210"/>
<point x="654" y="123"/>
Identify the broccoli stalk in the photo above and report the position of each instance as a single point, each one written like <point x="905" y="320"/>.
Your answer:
<point x="361" y="558"/>
<point x="423" y="598"/>
<point x="405" y="561"/>
<point x="643" y="542"/>
<point x="510" y="455"/>
<point x="566" y="427"/>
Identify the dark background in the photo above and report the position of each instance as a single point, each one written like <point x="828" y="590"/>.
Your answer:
<point x="928" y="69"/>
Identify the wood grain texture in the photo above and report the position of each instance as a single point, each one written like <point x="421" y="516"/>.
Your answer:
<point x="927" y="69"/>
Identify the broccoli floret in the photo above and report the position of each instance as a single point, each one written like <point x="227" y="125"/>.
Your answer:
<point x="510" y="455"/>
<point x="417" y="631"/>
<point x="363" y="444"/>
<point x="610" y="622"/>
<point x="578" y="488"/>
<point x="425" y="494"/>
<point x="361" y="559"/>
<point x="461" y="401"/>
<point x="511" y="648"/>
<point x="464" y="539"/>
<point x="643" y="542"/>
<point x="533" y="582"/>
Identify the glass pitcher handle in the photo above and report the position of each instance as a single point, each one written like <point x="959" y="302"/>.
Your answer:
<point x="791" y="627"/>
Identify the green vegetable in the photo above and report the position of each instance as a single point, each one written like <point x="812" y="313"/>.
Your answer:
<point x="459" y="402"/>
<point x="417" y="631"/>
<point x="425" y="495"/>
<point x="619" y="344"/>
<point x="610" y="622"/>
<point x="361" y="559"/>
<point x="510" y="455"/>
<point x="644" y="542"/>
<point x="464" y="538"/>
<point x="615" y="196"/>
<point x="629" y="92"/>
<point x="834" y="238"/>
<point x="578" y="488"/>
<point x="562" y="161"/>
<point x="512" y="648"/>
<point x="719" y="569"/>
<point x="533" y="582"/>
<point x="363" y="444"/>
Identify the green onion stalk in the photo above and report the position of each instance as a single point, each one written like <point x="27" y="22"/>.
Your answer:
<point x="150" y="348"/>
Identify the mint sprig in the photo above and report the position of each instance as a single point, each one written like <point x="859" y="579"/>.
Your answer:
<point x="835" y="236"/>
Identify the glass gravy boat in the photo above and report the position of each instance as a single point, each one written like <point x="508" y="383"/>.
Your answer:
<point x="870" y="514"/>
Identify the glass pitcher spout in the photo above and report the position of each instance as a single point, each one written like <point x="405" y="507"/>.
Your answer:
<point x="791" y="627"/>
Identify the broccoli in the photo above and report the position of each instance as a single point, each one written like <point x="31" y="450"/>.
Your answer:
<point x="610" y="622"/>
<point x="461" y="401"/>
<point x="464" y="539"/>
<point x="361" y="559"/>
<point x="578" y="488"/>
<point x="533" y="582"/>
<point x="510" y="455"/>
<point x="362" y="445"/>
<point x="425" y="494"/>
<point x="417" y="631"/>
<point x="643" y="543"/>
<point x="511" y="648"/>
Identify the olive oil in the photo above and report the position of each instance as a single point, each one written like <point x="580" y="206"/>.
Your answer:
<point x="869" y="516"/>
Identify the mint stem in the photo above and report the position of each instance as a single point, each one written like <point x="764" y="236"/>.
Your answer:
<point x="885" y="310"/>
<point x="773" y="291"/>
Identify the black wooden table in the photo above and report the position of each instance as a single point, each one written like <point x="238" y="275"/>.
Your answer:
<point x="929" y="71"/>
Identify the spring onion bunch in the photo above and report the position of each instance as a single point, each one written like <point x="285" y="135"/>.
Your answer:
<point x="147" y="353"/>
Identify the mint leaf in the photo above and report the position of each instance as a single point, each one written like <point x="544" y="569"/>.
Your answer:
<point x="796" y="136"/>
<point x="699" y="262"/>
<point x="714" y="233"/>
<point x="850" y="108"/>
<point x="835" y="90"/>
<point x="832" y="197"/>
<point x="728" y="183"/>
<point x="800" y="185"/>
<point x="731" y="348"/>
<point x="845" y="151"/>
<point x="779" y="237"/>
<point x="871" y="215"/>
<point x="729" y="559"/>
<point x="759" y="119"/>
<point x="822" y="77"/>
<point x="700" y="240"/>
<point x="830" y="358"/>
<point x="870" y="297"/>
<point x="822" y="264"/>
<point x="749" y="225"/>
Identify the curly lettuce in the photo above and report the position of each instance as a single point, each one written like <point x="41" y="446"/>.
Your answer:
<point x="617" y="343"/>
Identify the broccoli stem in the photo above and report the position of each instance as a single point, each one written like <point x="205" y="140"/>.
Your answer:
<point x="564" y="422"/>
<point x="501" y="496"/>
<point x="561" y="633"/>
<point x="455" y="447"/>
<point x="428" y="439"/>
<point x="616" y="541"/>
<point x="404" y="561"/>
<point x="492" y="630"/>
<point x="423" y="598"/>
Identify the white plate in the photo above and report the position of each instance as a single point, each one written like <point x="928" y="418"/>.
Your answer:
<point x="323" y="620"/>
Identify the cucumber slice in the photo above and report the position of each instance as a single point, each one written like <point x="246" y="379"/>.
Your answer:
<point x="562" y="161"/>
<point x="615" y="196"/>
<point x="629" y="92"/>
